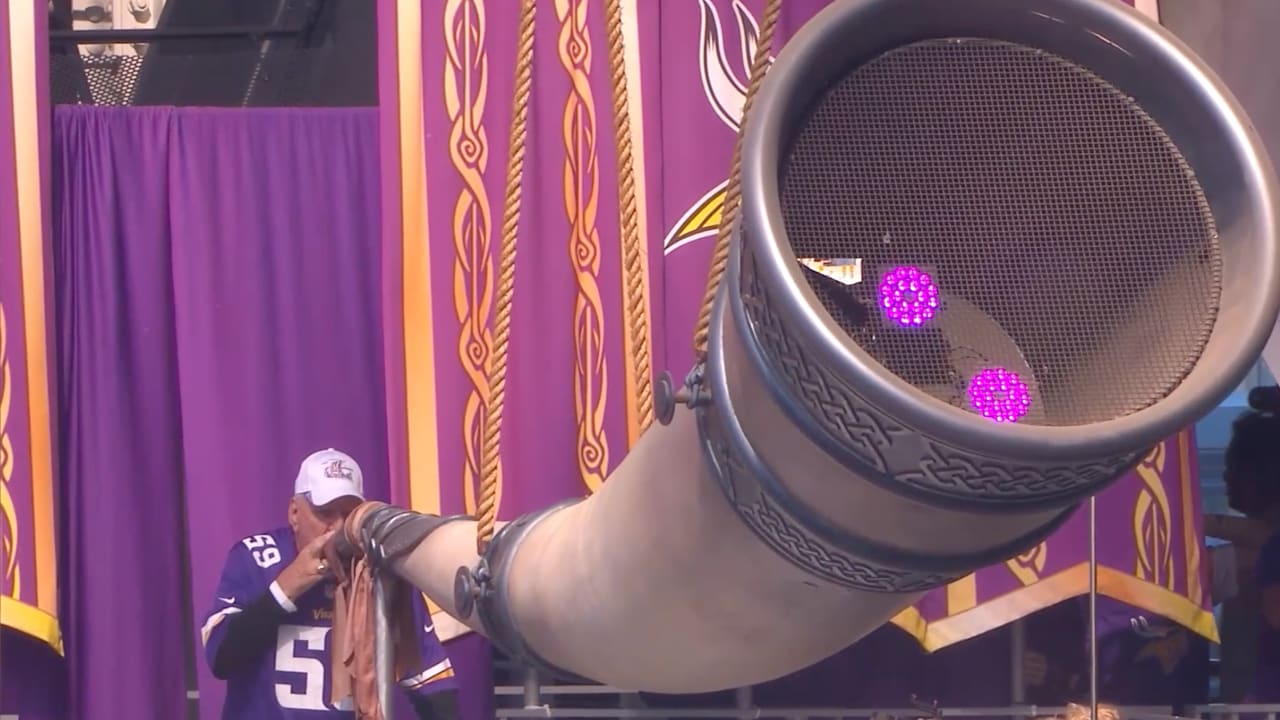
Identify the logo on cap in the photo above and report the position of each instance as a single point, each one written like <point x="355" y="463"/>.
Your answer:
<point x="339" y="469"/>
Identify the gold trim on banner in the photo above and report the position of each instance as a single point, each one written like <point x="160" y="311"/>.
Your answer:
<point x="26" y="131"/>
<point x="1191" y="539"/>
<point x="637" y="335"/>
<point x="581" y="189"/>
<point x="962" y="594"/>
<point x="10" y="532"/>
<point x="415" y="262"/>
<point x="466" y="91"/>
<point x="31" y="620"/>
<point x="1153" y="521"/>
<point x="1069" y="583"/>
<point x="635" y="100"/>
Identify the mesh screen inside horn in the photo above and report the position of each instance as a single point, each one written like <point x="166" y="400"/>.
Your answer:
<point x="1066" y="233"/>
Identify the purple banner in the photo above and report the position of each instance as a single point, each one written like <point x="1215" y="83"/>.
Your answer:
<point x="28" y="568"/>
<point x="1150" y="556"/>
<point x="28" y="588"/>
<point x="572" y="390"/>
<point x="30" y="632"/>
<point x="565" y="413"/>
<point x="695" y="83"/>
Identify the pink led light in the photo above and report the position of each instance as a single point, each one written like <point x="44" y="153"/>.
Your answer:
<point x="909" y="296"/>
<point x="999" y="395"/>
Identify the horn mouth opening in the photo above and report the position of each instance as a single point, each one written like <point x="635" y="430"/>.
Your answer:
<point x="1208" y="276"/>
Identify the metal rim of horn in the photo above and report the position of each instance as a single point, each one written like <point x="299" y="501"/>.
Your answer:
<point x="1182" y="100"/>
<point x="990" y="252"/>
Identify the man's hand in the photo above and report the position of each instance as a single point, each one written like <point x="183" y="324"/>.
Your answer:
<point x="306" y="570"/>
<point x="342" y="547"/>
<point x="1240" y="531"/>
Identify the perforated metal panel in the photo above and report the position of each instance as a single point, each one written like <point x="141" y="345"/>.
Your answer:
<point x="1068" y="236"/>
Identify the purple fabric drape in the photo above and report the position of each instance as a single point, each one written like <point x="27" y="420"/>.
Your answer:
<point x="118" y="416"/>
<point x="219" y="314"/>
<point x="275" y="274"/>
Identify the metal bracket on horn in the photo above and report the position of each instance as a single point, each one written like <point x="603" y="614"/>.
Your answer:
<point x="694" y="394"/>
<point x="390" y="532"/>
<point x="483" y="591"/>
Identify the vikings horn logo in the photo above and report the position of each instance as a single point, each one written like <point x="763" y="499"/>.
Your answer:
<point x="338" y="469"/>
<point x="726" y="92"/>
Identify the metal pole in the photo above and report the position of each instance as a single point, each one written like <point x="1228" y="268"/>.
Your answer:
<point x="532" y="689"/>
<point x="222" y="32"/>
<point x="264" y="48"/>
<point x="383" y="649"/>
<point x="1093" y="608"/>
<point x="1017" y="654"/>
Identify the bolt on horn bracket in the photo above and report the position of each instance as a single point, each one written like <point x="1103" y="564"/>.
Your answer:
<point x="693" y="394"/>
<point x="482" y="591"/>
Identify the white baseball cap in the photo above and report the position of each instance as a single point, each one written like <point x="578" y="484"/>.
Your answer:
<point x="328" y="475"/>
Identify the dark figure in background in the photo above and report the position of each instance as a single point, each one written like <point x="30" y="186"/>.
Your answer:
<point x="1266" y="684"/>
<point x="269" y="631"/>
<point x="1252" y="477"/>
<point x="884" y="669"/>
<point x="1145" y="659"/>
<point x="1054" y="663"/>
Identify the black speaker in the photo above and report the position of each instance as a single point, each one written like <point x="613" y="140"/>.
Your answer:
<point x="274" y="52"/>
<point x="68" y="79"/>
<point x="231" y="53"/>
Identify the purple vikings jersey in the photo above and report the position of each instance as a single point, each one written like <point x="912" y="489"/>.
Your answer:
<point x="292" y="682"/>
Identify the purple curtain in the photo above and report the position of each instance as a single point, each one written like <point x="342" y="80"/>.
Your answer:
<point x="118" y="415"/>
<point x="275" y="276"/>
<point x="218" y="275"/>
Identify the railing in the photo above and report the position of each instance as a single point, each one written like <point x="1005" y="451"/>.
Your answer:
<point x="143" y="36"/>
<point x="534" y="700"/>
<point x="1234" y="712"/>
<point x="535" y="707"/>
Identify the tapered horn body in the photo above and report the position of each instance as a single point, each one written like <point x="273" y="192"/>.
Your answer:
<point x="990" y="252"/>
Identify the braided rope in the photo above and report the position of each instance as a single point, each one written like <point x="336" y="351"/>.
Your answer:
<point x="634" y="258"/>
<point x="732" y="193"/>
<point x="490" y="456"/>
